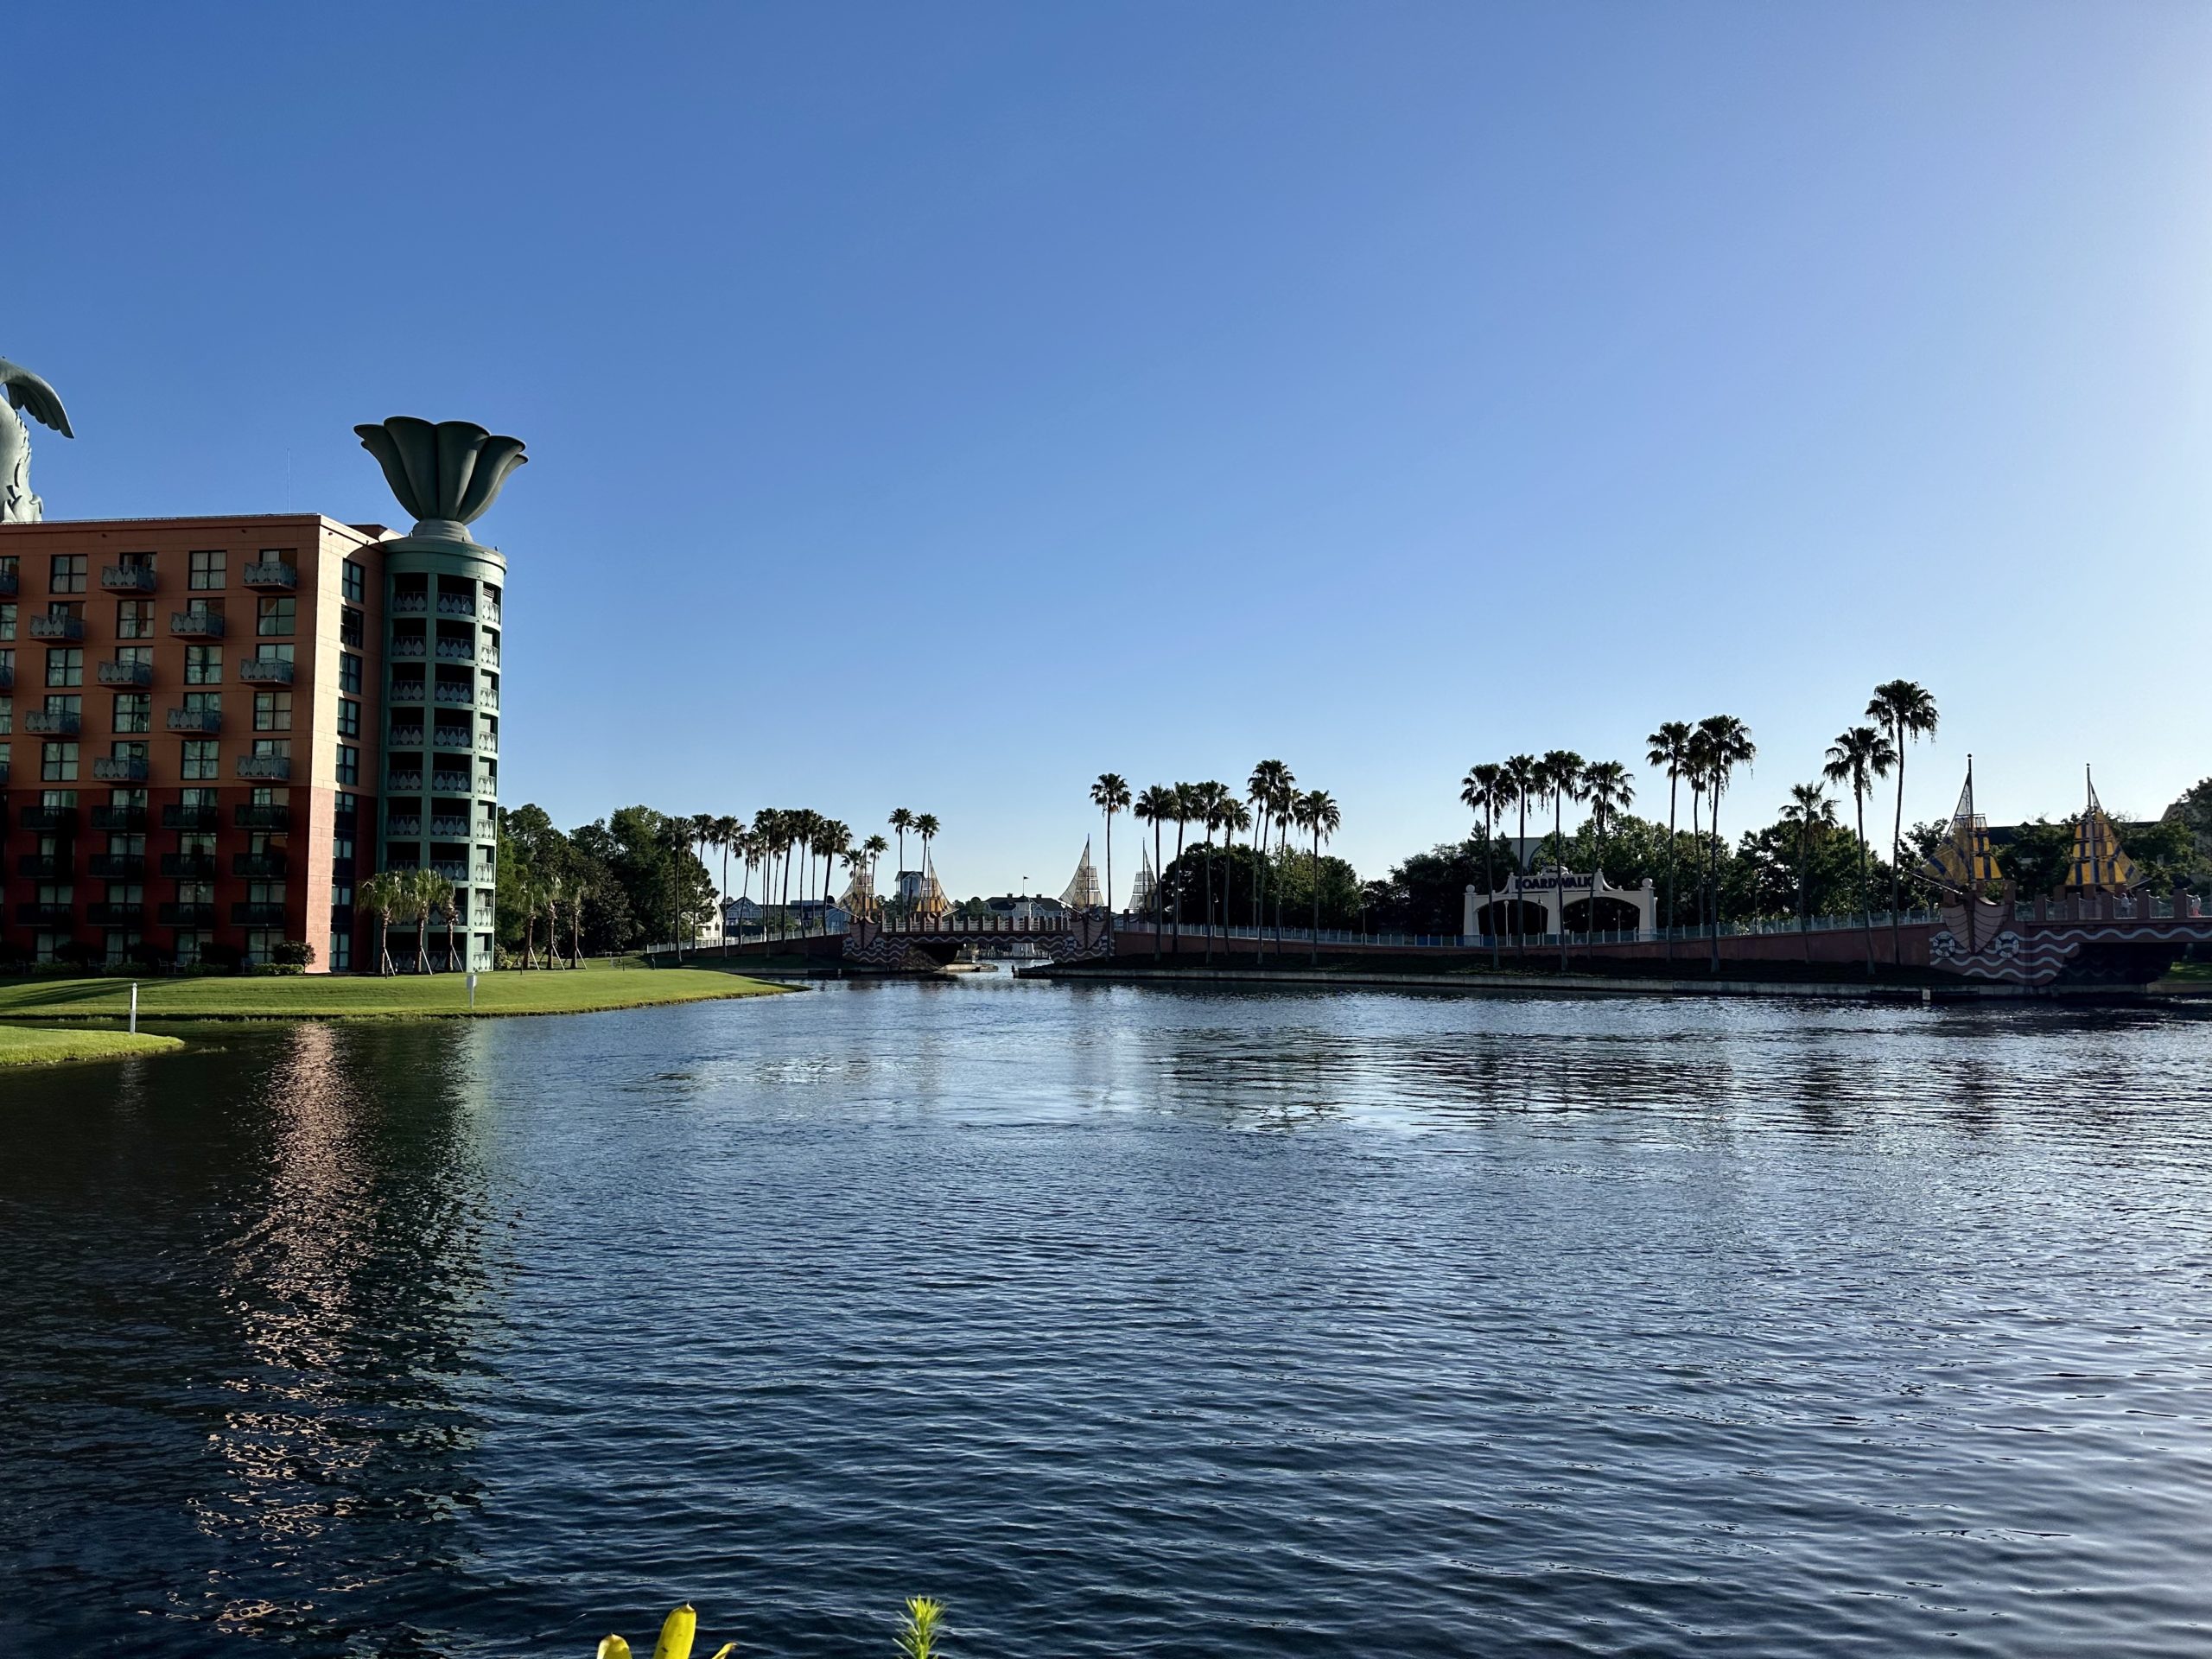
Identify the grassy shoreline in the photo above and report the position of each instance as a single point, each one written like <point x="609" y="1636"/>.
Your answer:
<point x="595" y="989"/>
<point x="22" y="1047"/>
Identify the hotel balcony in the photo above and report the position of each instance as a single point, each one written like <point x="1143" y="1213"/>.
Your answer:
<point x="209" y="721"/>
<point x="407" y="690"/>
<point x="456" y="874"/>
<point x="182" y="915"/>
<point x="456" y="605"/>
<point x="405" y="737"/>
<point x="448" y="783"/>
<point x="112" y="673"/>
<point x="127" y="578"/>
<point x="40" y="722"/>
<point x="37" y="915"/>
<point x="266" y="768"/>
<point x="409" y="604"/>
<point x="491" y="614"/>
<point x="51" y="820"/>
<point x="191" y="817"/>
<point x="248" y="914"/>
<point x="448" y="828"/>
<point x="259" y="867"/>
<point x="42" y="867"/>
<point x="451" y="737"/>
<point x="189" y="866"/>
<point x="456" y="651"/>
<point x="407" y="647"/>
<point x="117" y="867"/>
<point x="119" y="817"/>
<point x="487" y="875"/>
<point x="402" y="829"/>
<point x="196" y="625"/>
<point x="263" y="815"/>
<point x="403" y="783"/>
<point x="487" y="742"/>
<point x="265" y="671"/>
<point x="118" y="769"/>
<point x="273" y="574"/>
<point x="57" y="628"/>
<point x="455" y="695"/>
<point x="115" y="915"/>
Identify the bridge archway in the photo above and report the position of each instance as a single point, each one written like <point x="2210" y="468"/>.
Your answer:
<point x="1614" y="916"/>
<point x="1506" y="918"/>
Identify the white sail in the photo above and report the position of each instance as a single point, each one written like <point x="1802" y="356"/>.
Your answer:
<point x="1082" y="890"/>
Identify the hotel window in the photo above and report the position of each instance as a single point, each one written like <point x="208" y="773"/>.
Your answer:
<point x="68" y="574"/>
<point x="206" y="570"/>
<point x="352" y="581"/>
<point x="272" y="746"/>
<point x="128" y="751"/>
<point x="275" y="614"/>
<point x="203" y="664"/>
<point x="72" y="705"/>
<point x="199" y="759"/>
<point x="7" y="715"/>
<point x="203" y="702"/>
<point x="58" y="763"/>
<point x="272" y="711"/>
<point x="196" y="892"/>
<point x="349" y="717"/>
<point x="134" y="619"/>
<point x="134" y="711"/>
<point x="349" y="673"/>
<point x="272" y="653"/>
<point x="126" y="892"/>
<point x="349" y="763"/>
<point x="64" y="665"/>
<point x="341" y="852"/>
<point x="7" y="621"/>
<point x="134" y="655"/>
<point x="349" y="627"/>
<point x="341" y="950"/>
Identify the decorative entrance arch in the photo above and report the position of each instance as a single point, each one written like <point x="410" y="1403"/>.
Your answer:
<point x="1545" y="902"/>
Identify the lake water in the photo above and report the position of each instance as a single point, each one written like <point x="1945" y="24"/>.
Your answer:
<point x="1127" y="1320"/>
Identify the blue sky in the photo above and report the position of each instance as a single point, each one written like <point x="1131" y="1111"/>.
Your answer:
<point x="938" y="405"/>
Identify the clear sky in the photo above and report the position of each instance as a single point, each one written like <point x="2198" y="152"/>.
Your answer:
<point x="937" y="405"/>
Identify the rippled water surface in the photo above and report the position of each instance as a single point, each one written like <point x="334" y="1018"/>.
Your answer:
<point x="1129" y="1321"/>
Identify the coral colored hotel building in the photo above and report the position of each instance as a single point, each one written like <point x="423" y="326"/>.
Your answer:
<point x="211" y="729"/>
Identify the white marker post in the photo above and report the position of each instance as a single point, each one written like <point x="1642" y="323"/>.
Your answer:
<point x="134" y="1007"/>
<point x="472" y="990"/>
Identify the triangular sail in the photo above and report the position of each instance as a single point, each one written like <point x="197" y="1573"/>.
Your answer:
<point x="1082" y="890"/>
<point x="1141" y="889"/>
<point x="2099" y="865"/>
<point x="1963" y="860"/>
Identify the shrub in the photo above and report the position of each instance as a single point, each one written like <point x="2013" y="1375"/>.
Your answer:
<point x="293" y="953"/>
<point x="917" y="1639"/>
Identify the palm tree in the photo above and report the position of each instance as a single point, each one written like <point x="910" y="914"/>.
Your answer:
<point x="380" y="895"/>
<point x="1561" y="779"/>
<point x="1524" y="772"/>
<point x="832" y="842"/>
<point x="429" y="892"/>
<point x="1810" y="810"/>
<point x="406" y="906"/>
<point x="451" y="910"/>
<point x="729" y="836"/>
<point x="1609" y="788"/>
<point x="1155" y="807"/>
<point x="1670" y="747"/>
<point x="1727" y="745"/>
<point x="925" y="826"/>
<point x="1111" y="794"/>
<point x="1268" y="784"/>
<point x="1485" y="790"/>
<point x="1860" y="755"/>
<point x="1907" y="711"/>
<point x="902" y="821"/>
<point x="1209" y="804"/>
<point x="581" y="888"/>
<point x="875" y="846"/>
<point x="1316" y="812"/>
<point x="1186" y="808"/>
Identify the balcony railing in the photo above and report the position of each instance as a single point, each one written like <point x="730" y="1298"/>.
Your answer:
<point x="487" y="875"/>
<point x="266" y="767"/>
<point x="456" y="874"/>
<point x="271" y="572"/>
<point x="262" y="814"/>
<point x="448" y="828"/>
<point x="195" y="719"/>
<point x="38" y="915"/>
<point x="451" y="737"/>
<point x="51" y="820"/>
<point x="450" y="694"/>
<point x="113" y="673"/>
<point x="406" y="737"/>
<point x="259" y="867"/>
<point x="456" y="605"/>
<point x="120" y="769"/>
<point x="456" y="651"/>
<point x="118" y="867"/>
<point x="42" y="867"/>
<point x="249" y="914"/>
<point x="449" y="783"/>
<point x="184" y="915"/>
<point x="403" y="783"/>
<point x="57" y="628"/>
<point x="45" y="722"/>
<point x="117" y="913"/>
<point x="407" y="690"/>
<point x="402" y="829"/>
<point x="408" y="647"/>
<point x="127" y="578"/>
<point x="119" y="817"/>
<point x="189" y="866"/>
<point x="409" y="604"/>
<point x="265" y="671"/>
<point x="487" y="742"/>
<point x="196" y="625"/>
<point x="491" y="614"/>
<point x="191" y="817"/>
<point x="486" y="783"/>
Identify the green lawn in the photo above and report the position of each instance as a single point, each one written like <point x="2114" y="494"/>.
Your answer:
<point x="340" y="997"/>
<point x="20" y="1045"/>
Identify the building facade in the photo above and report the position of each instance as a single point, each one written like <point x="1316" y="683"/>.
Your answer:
<point x="211" y="729"/>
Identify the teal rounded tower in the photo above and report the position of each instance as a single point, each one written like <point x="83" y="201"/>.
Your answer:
<point x="444" y="590"/>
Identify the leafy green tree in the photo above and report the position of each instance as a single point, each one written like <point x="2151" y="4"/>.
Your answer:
<point x="1860" y="755"/>
<point x="1669" y="749"/>
<point x="1111" y="794"/>
<point x="1905" y="712"/>
<point x="1319" y="815"/>
<point x="1724" y="743"/>
<point x="2038" y="857"/>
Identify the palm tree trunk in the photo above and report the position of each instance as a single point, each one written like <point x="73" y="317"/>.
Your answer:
<point x="1559" y="872"/>
<point x="1804" y="889"/>
<point x="1673" y="787"/>
<point x="1109" y="861"/>
<point x="1520" y="865"/>
<point x="1897" y="856"/>
<point x="1157" y="921"/>
<point x="1209" y="956"/>
<point x="1713" y="933"/>
<point x="1866" y="899"/>
<point x="1317" y="895"/>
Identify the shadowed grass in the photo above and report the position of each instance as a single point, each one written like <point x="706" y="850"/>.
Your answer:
<point x="20" y="1046"/>
<point x="331" y="997"/>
